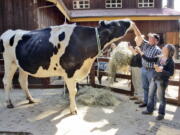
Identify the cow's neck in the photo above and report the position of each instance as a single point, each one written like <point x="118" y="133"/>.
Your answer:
<point x="104" y="36"/>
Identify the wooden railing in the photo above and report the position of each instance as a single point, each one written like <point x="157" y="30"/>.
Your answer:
<point x="93" y="74"/>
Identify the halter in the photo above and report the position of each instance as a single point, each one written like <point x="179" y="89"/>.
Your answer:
<point x="99" y="50"/>
<point x="98" y="41"/>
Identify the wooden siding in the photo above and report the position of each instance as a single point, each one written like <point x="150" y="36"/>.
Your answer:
<point x="48" y="14"/>
<point x="19" y="14"/>
<point x="100" y="4"/>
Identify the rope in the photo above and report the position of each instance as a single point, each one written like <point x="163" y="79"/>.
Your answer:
<point x="99" y="50"/>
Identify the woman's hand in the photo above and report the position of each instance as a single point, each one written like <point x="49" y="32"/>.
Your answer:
<point x="158" y="68"/>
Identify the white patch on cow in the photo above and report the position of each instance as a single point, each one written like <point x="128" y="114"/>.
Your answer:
<point x="55" y="32"/>
<point x="109" y="22"/>
<point x="81" y="73"/>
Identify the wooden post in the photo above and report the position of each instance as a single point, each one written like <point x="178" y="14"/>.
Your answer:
<point x="92" y="76"/>
<point x="132" y="87"/>
<point x="179" y="92"/>
<point x="170" y="4"/>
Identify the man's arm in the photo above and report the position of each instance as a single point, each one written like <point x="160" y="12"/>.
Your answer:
<point x="139" y="37"/>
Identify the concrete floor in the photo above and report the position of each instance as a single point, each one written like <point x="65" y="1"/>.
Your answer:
<point x="50" y="116"/>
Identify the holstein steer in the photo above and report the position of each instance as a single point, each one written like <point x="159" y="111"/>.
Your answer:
<point x="66" y="50"/>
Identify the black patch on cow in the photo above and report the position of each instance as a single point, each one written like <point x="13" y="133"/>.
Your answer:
<point x="61" y="36"/>
<point x="56" y="64"/>
<point x="54" y="68"/>
<point x="82" y="45"/>
<point x="35" y="50"/>
<point x="55" y="50"/>
<point x="58" y="45"/>
<point x="1" y="46"/>
<point x="11" y="42"/>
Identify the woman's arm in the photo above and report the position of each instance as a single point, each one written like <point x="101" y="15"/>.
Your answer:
<point x="150" y="59"/>
<point x="169" y="71"/>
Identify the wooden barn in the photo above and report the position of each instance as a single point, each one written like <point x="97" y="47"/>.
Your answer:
<point x="101" y="111"/>
<point x="149" y="15"/>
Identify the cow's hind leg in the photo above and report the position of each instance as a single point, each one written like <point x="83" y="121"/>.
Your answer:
<point x="23" y="80"/>
<point x="71" y="84"/>
<point x="9" y="68"/>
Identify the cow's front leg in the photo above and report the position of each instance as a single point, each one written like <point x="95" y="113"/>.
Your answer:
<point x="23" y="80"/>
<point x="71" y="84"/>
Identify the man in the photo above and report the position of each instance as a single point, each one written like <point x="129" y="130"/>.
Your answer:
<point x="151" y="50"/>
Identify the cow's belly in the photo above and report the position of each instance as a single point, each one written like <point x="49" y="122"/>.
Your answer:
<point x="54" y="69"/>
<point x="46" y="73"/>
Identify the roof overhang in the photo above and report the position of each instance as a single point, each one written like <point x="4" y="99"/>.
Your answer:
<point x="61" y="6"/>
<point x="76" y="15"/>
<point x="135" y="18"/>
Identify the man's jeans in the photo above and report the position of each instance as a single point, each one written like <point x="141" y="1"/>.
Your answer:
<point x="159" y="87"/>
<point x="147" y="75"/>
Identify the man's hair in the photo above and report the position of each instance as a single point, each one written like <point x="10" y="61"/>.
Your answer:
<point x="154" y="35"/>
<point x="171" y="49"/>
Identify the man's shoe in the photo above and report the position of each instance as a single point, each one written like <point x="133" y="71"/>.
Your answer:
<point x="147" y="113"/>
<point x="160" y="117"/>
<point x="139" y="102"/>
<point x="142" y="105"/>
<point x="133" y="98"/>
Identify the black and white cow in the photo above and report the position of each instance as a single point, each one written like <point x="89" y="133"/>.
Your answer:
<point x="67" y="50"/>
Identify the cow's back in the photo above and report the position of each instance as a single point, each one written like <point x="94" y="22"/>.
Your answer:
<point x="37" y="52"/>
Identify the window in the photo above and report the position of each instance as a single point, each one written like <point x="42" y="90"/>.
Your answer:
<point x="113" y="4"/>
<point x="81" y="4"/>
<point x="145" y="3"/>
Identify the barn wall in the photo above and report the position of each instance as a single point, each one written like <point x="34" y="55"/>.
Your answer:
<point x="100" y="4"/>
<point x="19" y="14"/>
<point x="26" y="14"/>
<point x="48" y="14"/>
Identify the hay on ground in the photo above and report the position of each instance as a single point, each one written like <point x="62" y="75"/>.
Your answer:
<point x="96" y="97"/>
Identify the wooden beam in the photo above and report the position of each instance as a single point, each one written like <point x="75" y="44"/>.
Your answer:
<point x="60" y="5"/>
<point x="135" y="18"/>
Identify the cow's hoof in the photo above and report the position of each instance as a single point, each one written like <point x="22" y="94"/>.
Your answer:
<point x="10" y="106"/>
<point x="31" y="101"/>
<point x="74" y="112"/>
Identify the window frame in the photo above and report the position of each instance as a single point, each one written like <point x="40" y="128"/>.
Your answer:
<point x="148" y="3"/>
<point x="113" y="4"/>
<point x="81" y="4"/>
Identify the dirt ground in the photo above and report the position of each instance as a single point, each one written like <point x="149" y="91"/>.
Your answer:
<point x="50" y="116"/>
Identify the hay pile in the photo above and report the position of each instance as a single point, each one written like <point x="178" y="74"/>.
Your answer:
<point x="96" y="97"/>
<point x="120" y="60"/>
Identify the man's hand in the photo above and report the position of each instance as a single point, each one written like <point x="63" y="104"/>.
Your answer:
<point x="139" y="38"/>
<point x="138" y="50"/>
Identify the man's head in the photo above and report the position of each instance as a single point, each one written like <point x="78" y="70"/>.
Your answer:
<point x="153" y="38"/>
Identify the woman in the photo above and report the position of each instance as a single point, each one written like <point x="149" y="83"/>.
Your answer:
<point x="136" y="65"/>
<point x="163" y="70"/>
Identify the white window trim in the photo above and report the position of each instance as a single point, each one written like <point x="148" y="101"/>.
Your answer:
<point x="143" y="4"/>
<point x="109" y="5"/>
<point x="77" y="5"/>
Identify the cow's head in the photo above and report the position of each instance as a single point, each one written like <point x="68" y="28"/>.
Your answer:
<point x="114" y="30"/>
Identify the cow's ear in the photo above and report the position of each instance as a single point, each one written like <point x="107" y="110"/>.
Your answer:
<point x="102" y="23"/>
